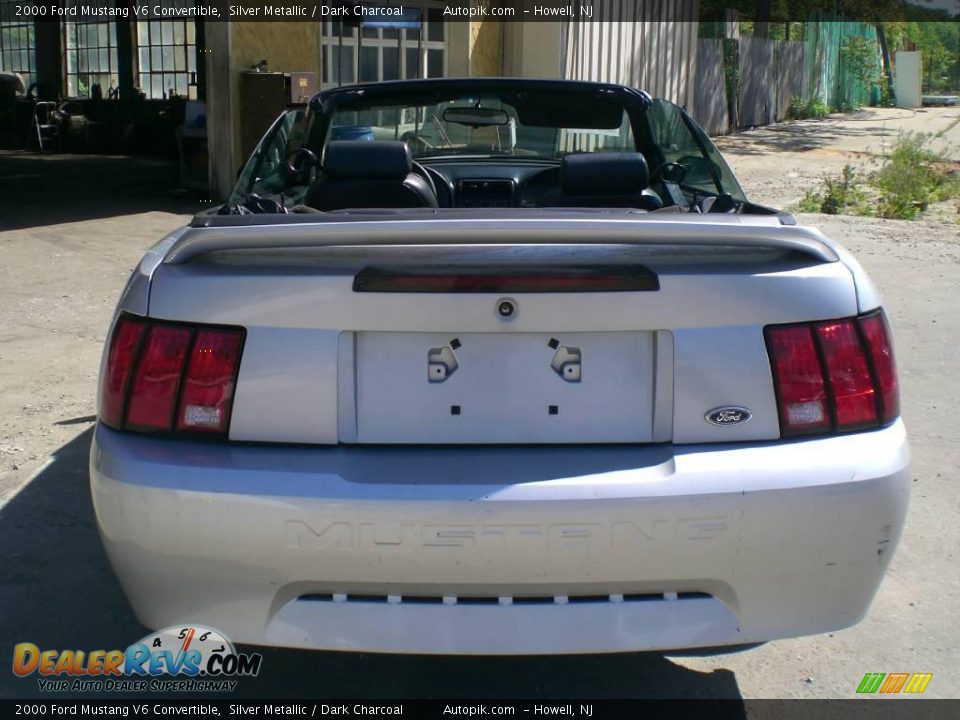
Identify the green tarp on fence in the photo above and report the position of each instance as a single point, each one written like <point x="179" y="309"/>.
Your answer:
<point x="832" y="62"/>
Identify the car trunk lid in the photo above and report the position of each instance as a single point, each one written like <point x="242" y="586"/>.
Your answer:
<point x="329" y="358"/>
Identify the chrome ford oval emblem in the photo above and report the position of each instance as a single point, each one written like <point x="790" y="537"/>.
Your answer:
<point x="729" y="415"/>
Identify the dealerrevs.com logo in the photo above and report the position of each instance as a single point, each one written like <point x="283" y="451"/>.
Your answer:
<point x="176" y="659"/>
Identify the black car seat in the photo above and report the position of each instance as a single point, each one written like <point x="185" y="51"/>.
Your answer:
<point x="364" y="174"/>
<point x="604" y="179"/>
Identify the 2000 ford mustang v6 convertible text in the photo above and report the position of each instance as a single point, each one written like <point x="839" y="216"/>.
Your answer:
<point x="498" y="366"/>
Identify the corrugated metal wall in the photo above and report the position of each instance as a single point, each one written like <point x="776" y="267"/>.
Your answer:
<point x="757" y="94"/>
<point x="768" y="74"/>
<point x="710" y="108"/>
<point x="648" y="45"/>
<point x="771" y="72"/>
<point x="654" y="46"/>
<point x="792" y="78"/>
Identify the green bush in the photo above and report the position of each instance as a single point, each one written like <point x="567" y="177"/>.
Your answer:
<point x="811" y="202"/>
<point x="801" y="109"/>
<point x="912" y="177"/>
<point x="886" y="94"/>
<point x="843" y="194"/>
<point x="817" y="108"/>
<point x="797" y="107"/>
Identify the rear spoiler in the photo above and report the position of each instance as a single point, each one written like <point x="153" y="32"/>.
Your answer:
<point x="370" y="230"/>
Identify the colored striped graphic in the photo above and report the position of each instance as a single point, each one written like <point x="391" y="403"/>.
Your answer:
<point x="918" y="682"/>
<point x="893" y="683"/>
<point x="870" y="683"/>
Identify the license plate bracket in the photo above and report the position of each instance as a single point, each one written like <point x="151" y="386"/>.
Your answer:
<point x="504" y="387"/>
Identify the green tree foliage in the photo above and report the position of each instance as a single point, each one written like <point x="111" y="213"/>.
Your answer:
<point x="933" y="34"/>
<point x="939" y="43"/>
<point x="858" y="58"/>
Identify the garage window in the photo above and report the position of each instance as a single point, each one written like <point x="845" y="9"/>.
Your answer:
<point x="167" y="58"/>
<point x="17" y="47"/>
<point x="411" y="45"/>
<point x="90" y="56"/>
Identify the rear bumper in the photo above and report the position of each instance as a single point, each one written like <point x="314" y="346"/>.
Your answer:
<point x="440" y="550"/>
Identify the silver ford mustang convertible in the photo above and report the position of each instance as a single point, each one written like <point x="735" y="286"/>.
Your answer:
<point x="498" y="366"/>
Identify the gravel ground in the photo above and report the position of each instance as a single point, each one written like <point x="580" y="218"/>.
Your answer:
<point x="61" y="272"/>
<point x="777" y="164"/>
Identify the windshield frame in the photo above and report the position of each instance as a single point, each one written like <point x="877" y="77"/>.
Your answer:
<point x="635" y="104"/>
<point x="535" y="126"/>
<point x="721" y="176"/>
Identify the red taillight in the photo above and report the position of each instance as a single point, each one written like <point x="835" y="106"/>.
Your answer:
<point x="833" y="375"/>
<point x="208" y="389"/>
<point x="799" y="378"/>
<point x="124" y="346"/>
<point x="877" y="335"/>
<point x="854" y="397"/>
<point x="155" y="384"/>
<point x="165" y="376"/>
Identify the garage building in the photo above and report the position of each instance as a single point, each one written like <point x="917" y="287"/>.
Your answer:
<point x="164" y="86"/>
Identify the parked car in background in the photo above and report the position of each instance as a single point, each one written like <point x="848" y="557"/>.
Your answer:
<point x="498" y="366"/>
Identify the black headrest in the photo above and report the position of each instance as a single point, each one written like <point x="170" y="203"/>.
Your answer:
<point x="604" y="173"/>
<point x="365" y="160"/>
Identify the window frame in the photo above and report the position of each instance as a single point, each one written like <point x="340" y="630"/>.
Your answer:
<point x="70" y="26"/>
<point x="73" y="46"/>
<point x="188" y="46"/>
<point x="337" y="34"/>
<point x="10" y="48"/>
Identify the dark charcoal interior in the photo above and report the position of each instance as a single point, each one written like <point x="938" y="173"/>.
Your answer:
<point x="359" y="174"/>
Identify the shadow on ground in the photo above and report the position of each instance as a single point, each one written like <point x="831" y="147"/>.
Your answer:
<point x="803" y="137"/>
<point x="48" y="189"/>
<point x="828" y="134"/>
<point x="59" y="592"/>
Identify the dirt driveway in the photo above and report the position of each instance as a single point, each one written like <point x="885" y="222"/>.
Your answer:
<point x="777" y="164"/>
<point x="62" y="269"/>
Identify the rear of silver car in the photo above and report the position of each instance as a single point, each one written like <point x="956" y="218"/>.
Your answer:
<point x="563" y="434"/>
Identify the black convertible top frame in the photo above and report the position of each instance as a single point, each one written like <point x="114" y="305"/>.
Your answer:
<point x="327" y="101"/>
